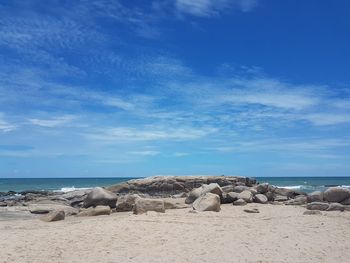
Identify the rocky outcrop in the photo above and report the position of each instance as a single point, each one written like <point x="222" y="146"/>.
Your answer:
<point x="213" y="188"/>
<point x="336" y="194"/>
<point x="126" y="203"/>
<point x="165" y="186"/>
<point x="317" y="206"/>
<point x="100" y="196"/>
<point x="143" y="205"/>
<point x="95" y="211"/>
<point x="207" y="202"/>
<point x="52" y="216"/>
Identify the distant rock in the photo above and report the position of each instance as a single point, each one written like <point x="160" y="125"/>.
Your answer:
<point x="246" y="195"/>
<point x="260" y="198"/>
<point x="95" y="211"/>
<point x="239" y="202"/>
<point x="126" y="203"/>
<point x="52" y="216"/>
<point x="316" y="196"/>
<point x="100" y="196"/>
<point x="207" y="202"/>
<point x="336" y="194"/>
<point x="317" y="206"/>
<point x="143" y="205"/>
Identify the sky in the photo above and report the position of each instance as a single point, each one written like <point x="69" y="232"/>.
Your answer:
<point x="112" y="88"/>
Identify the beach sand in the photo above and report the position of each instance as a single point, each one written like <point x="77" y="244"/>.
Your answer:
<point x="278" y="233"/>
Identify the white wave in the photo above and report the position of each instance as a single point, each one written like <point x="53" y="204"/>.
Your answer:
<point x="71" y="189"/>
<point x="293" y="186"/>
<point x="346" y="186"/>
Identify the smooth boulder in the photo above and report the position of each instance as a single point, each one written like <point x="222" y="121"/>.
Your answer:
<point x="126" y="203"/>
<point x="143" y="205"/>
<point x="260" y="198"/>
<point x="207" y="202"/>
<point x="100" y="196"/>
<point x="246" y="195"/>
<point x="336" y="194"/>
<point x="52" y="216"/>
<point x="316" y="196"/>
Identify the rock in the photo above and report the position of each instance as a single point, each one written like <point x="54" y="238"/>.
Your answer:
<point x="143" y="205"/>
<point x="270" y="196"/>
<point x="280" y="198"/>
<point x="175" y="203"/>
<point x="46" y="208"/>
<point x="253" y="210"/>
<point x="290" y="193"/>
<point x="52" y="216"/>
<point x="253" y="191"/>
<point x="227" y="188"/>
<point x="239" y="202"/>
<point x="180" y="195"/>
<point x="96" y="211"/>
<point x="299" y="200"/>
<point x="228" y="198"/>
<point x="196" y="193"/>
<point x="207" y="202"/>
<point x="316" y="196"/>
<point x="3" y="204"/>
<point x="336" y="194"/>
<point x="312" y="212"/>
<point x="246" y="195"/>
<point x="240" y="188"/>
<point x="262" y="188"/>
<point x="99" y="196"/>
<point x="260" y="198"/>
<point x="126" y="203"/>
<point x="346" y="201"/>
<point x="335" y="207"/>
<point x="317" y="206"/>
<point x="166" y="186"/>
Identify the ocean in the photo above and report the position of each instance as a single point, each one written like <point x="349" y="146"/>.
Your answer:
<point x="306" y="184"/>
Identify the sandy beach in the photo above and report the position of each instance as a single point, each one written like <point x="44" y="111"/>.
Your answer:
<point x="278" y="233"/>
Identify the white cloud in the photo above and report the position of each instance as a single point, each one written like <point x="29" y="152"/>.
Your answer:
<point x="326" y="118"/>
<point x="53" y="122"/>
<point x="6" y="126"/>
<point x="145" y="153"/>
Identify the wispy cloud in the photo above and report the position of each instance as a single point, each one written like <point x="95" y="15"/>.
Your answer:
<point x="53" y="122"/>
<point x="145" y="153"/>
<point x="6" y="126"/>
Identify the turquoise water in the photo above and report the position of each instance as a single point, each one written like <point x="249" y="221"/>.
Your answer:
<point x="56" y="184"/>
<point x="306" y="184"/>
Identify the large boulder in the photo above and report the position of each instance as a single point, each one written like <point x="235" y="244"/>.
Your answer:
<point x="260" y="198"/>
<point x="96" y="211"/>
<point x="228" y="198"/>
<point x="336" y="194"/>
<point x="100" y="196"/>
<point x="207" y="202"/>
<point x="262" y="188"/>
<point x="213" y="188"/>
<point x="143" y="205"/>
<point x="316" y="196"/>
<point x="126" y="203"/>
<point x="52" y="216"/>
<point x="246" y="195"/>
<point x="336" y="207"/>
<point x="317" y="206"/>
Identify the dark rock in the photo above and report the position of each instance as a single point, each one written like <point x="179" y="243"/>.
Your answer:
<point x="270" y="196"/>
<point x="317" y="206"/>
<point x="100" y="196"/>
<point x="346" y="201"/>
<point x="336" y="194"/>
<point x="228" y="198"/>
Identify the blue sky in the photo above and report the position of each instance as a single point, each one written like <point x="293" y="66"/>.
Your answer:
<point x="139" y="88"/>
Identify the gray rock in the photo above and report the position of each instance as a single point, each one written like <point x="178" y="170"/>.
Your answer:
<point x="246" y="196"/>
<point x="312" y="212"/>
<point x="175" y="203"/>
<point x="253" y="191"/>
<point x="213" y="188"/>
<point x="52" y="216"/>
<point x="239" y="202"/>
<point x="316" y="196"/>
<point x="240" y="188"/>
<point x="143" y="205"/>
<point x="336" y="194"/>
<point x="260" y="198"/>
<point x="207" y="202"/>
<point x="317" y="206"/>
<point x="99" y="196"/>
<point x="229" y="198"/>
<point x="262" y="188"/>
<point x="280" y="198"/>
<point x="346" y="201"/>
<point x="299" y="200"/>
<point x="335" y="207"/>
<point x="126" y="203"/>
<point x="253" y="210"/>
<point x="227" y="188"/>
<point x="95" y="211"/>
<point x="46" y="208"/>
<point x="270" y="196"/>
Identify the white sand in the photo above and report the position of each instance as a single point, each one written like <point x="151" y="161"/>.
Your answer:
<point x="276" y="234"/>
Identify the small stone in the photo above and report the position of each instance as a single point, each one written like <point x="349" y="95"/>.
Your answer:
<point x="253" y="210"/>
